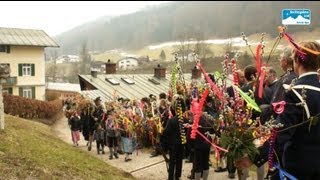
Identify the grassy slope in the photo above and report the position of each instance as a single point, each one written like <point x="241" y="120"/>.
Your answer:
<point x="216" y="49"/>
<point x="29" y="149"/>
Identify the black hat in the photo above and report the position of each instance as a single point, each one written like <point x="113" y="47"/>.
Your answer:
<point x="97" y="99"/>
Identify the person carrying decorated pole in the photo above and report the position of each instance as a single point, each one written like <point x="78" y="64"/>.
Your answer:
<point x="286" y="64"/>
<point x="298" y="138"/>
<point x="96" y="119"/>
<point x="202" y="147"/>
<point x="230" y="90"/>
<point x="111" y="132"/>
<point x="176" y="137"/>
<point x="86" y="118"/>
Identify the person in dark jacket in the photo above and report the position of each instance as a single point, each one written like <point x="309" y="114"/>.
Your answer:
<point x="96" y="119"/>
<point x="299" y="139"/>
<point x="75" y="126"/>
<point x="99" y="137"/>
<point x="286" y="64"/>
<point x="173" y="135"/>
<point x="201" y="146"/>
<point x="86" y="117"/>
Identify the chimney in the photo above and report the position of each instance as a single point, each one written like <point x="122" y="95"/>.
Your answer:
<point x="94" y="73"/>
<point x="160" y="72"/>
<point x="196" y="73"/>
<point x="111" y="68"/>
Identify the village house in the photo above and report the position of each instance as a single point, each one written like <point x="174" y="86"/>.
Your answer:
<point x="132" y="86"/>
<point x="128" y="63"/>
<point x="68" y="59"/>
<point x="62" y="91"/>
<point x="23" y="51"/>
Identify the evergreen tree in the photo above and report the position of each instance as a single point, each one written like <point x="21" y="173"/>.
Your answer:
<point x="162" y="55"/>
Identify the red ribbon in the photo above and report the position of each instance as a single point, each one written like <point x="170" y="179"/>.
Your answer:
<point x="197" y="110"/>
<point x="213" y="145"/>
<point x="258" y="60"/>
<point x="214" y="87"/>
<point x="263" y="74"/>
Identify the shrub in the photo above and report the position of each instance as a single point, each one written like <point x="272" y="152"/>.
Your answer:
<point x="31" y="108"/>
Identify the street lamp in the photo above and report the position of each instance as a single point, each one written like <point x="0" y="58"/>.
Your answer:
<point x="4" y="74"/>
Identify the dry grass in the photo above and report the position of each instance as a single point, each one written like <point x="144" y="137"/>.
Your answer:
<point x="29" y="150"/>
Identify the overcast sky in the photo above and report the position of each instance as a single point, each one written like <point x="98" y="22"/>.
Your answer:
<point x="55" y="17"/>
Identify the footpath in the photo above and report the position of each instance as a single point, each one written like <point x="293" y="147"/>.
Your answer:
<point x="142" y="166"/>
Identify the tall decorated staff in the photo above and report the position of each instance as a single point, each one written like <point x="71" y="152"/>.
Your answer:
<point x="180" y="73"/>
<point x="173" y="81"/>
<point x="180" y="118"/>
<point x="276" y="43"/>
<point x="237" y="100"/>
<point x="244" y="38"/>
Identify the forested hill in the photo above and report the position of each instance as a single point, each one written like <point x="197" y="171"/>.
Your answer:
<point x="181" y="20"/>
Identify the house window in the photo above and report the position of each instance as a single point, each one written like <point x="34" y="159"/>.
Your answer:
<point x="5" y="48"/>
<point x="26" y="70"/>
<point x="128" y="61"/>
<point x="27" y="92"/>
<point x="7" y="90"/>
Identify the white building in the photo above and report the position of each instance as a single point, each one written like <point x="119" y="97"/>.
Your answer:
<point x="127" y="63"/>
<point x="68" y="59"/>
<point x="23" y="51"/>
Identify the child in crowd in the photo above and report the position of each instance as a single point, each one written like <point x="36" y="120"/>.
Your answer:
<point x="75" y="126"/>
<point x="99" y="137"/>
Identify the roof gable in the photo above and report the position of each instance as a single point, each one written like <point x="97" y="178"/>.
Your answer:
<point x="25" y="37"/>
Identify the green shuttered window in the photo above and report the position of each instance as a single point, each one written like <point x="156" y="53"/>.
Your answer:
<point x="27" y="92"/>
<point x="26" y="69"/>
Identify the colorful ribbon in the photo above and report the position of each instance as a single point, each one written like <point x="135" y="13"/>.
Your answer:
<point x="197" y="110"/>
<point x="262" y="77"/>
<point x="283" y="173"/>
<point x="214" y="87"/>
<point x="180" y="117"/>
<point x="278" y="107"/>
<point x="174" y="80"/>
<point x="250" y="102"/>
<point x="258" y="58"/>
<point x="213" y="145"/>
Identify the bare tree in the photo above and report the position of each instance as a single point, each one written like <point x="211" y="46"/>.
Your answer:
<point x="202" y="48"/>
<point x="85" y="58"/>
<point x="54" y="73"/>
<point x="231" y="49"/>
<point x="184" y="47"/>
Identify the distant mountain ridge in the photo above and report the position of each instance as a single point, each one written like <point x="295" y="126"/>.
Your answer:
<point x="178" y="21"/>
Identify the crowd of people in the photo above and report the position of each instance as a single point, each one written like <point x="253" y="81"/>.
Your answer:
<point x="164" y="122"/>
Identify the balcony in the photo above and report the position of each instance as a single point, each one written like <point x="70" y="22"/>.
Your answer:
<point x="10" y="81"/>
